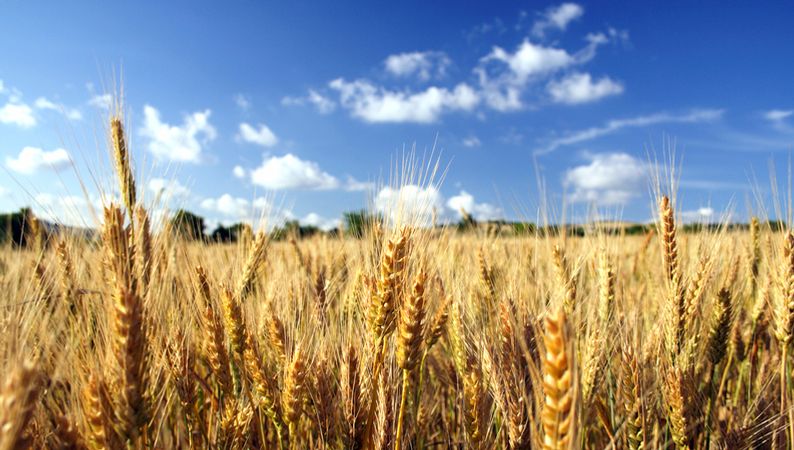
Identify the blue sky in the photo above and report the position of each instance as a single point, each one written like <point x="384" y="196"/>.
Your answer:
<point x="237" y="105"/>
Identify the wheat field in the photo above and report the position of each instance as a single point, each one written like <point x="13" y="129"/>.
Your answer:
<point x="407" y="338"/>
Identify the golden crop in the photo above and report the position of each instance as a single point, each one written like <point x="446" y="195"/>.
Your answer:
<point x="409" y="338"/>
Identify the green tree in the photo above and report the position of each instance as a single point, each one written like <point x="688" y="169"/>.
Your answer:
<point x="357" y="222"/>
<point x="232" y="233"/>
<point x="188" y="225"/>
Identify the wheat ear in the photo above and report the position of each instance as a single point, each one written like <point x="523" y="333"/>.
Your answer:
<point x="214" y="342"/>
<point x="558" y="408"/>
<point x="129" y="331"/>
<point x="18" y="397"/>
<point x="409" y="343"/>
<point x="122" y="161"/>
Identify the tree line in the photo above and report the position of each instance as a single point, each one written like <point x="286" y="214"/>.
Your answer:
<point x="21" y="227"/>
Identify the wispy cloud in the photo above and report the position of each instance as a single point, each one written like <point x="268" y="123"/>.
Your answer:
<point x="423" y="65"/>
<point x="69" y="113"/>
<point x="321" y="103"/>
<point x="710" y="185"/>
<point x="242" y="102"/>
<point x="471" y="141"/>
<point x="615" y="125"/>
<point x="557" y="17"/>
<point x="777" y="115"/>
<point x="101" y="101"/>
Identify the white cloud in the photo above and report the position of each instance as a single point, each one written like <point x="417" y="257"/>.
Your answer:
<point x="263" y="136"/>
<point x="531" y="59"/>
<point x="228" y="209"/>
<point x="242" y="102"/>
<point x="101" y="101"/>
<point x="168" y="189"/>
<point x="16" y="113"/>
<point x="227" y="205"/>
<point x="614" y="125"/>
<point x="580" y="88"/>
<point x="703" y="214"/>
<point x="504" y="76"/>
<point x="2" y="87"/>
<point x="471" y="141"/>
<point x="557" y="17"/>
<point x="424" y="65"/>
<point x="315" y="220"/>
<point x="480" y="211"/>
<point x="70" y="210"/>
<point x="321" y="103"/>
<point x="609" y="179"/>
<point x="409" y="204"/>
<point x="177" y="143"/>
<point x="778" y="115"/>
<point x="32" y="159"/>
<point x="353" y="185"/>
<point x="379" y="105"/>
<point x="43" y="103"/>
<point x="291" y="172"/>
<point x="69" y="113"/>
<point x="238" y="172"/>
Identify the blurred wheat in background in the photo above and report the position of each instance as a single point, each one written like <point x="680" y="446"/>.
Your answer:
<point x="397" y="336"/>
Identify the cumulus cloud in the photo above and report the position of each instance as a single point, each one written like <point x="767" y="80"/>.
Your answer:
<point x="480" y="211"/>
<point x="316" y="220"/>
<point x="423" y="65"/>
<point x="504" y="76"/>
<point x="238" y="172"/>
<point x="177" y="143"/>
<point x="557" y="17"/>
<point x="409" y="204"/>
<point x="608" y="179"/>
<point x="615" y="125"/>
<point x="32" y="159"/>
<point x="580" y="88"/>
<point x="531" y="59"/>
<point x="17" y="113"/>
<point x="379" y="105"/>
<point x="321" y="103"/>
<point x="69" y="113"/>
<point x="236" y="207"/>
<point x="168" y="189"/>
<point x="471" y="141"/>
<point x="291" y="172"/>
<point x="262" y="135"/>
